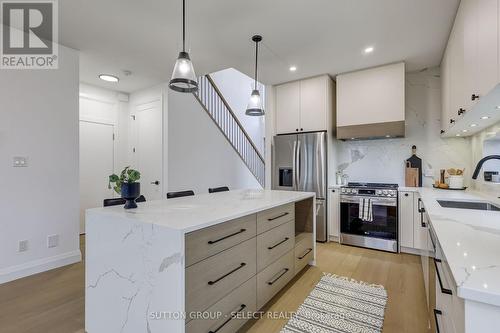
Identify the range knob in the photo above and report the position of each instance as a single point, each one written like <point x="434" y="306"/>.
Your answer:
<point x="378" y="192"/>
<point x="384" y="191"/>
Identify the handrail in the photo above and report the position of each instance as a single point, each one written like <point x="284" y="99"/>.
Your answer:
<point x="234" y="116"/>
<point x="215" y="105"/>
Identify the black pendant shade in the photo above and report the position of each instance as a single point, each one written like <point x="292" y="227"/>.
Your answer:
<point x="183" y="76"/>
<point x="255" y="107"/>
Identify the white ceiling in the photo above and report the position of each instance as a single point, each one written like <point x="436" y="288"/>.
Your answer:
<point x="318" y="36"/>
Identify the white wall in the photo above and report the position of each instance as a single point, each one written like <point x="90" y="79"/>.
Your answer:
<point x="199" y="156"/>
<point x="236" y="88"/>
<point x="383" y="160"/>
<point x="39" y="120"/>
<point x="484" y="143"/>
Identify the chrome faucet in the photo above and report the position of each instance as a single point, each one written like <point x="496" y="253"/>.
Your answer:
<point x="481" y="162"/>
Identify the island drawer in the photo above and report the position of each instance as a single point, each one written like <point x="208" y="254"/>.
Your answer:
<point x="274" y="278"/>
<point x="206" y="242"/>
<point x="273" y="217"/>
<point x="239" y="301"/>
<point x="304" y="251"/>
<point x="274" y="243"/>
<point x="213" y="278"/>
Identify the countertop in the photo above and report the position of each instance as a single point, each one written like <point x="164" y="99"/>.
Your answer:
<point x="191" y="213"/>
<point x="470" y="240"/>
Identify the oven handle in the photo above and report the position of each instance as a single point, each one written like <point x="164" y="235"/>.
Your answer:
<point x="376" y="201"/>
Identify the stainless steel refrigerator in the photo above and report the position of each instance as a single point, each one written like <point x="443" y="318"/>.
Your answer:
<point x="299" y="164"/>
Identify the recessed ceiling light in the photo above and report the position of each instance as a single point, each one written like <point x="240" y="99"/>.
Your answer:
<point x="485" y="117"/>
<point x="369" y="49"/>
<point x="109" y="78"/>
<point x="293" y="68"/>
<point x="498" y="107"/>
<point x="457" y="134"/>
<point x="387" y="136"/>
<point x="465" y="131"/>
<point x="473" y="125"/>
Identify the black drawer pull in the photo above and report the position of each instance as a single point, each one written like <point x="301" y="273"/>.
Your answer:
<point x="277" y="217"/>
<point x="305" y="254"/>
<point x="443" y="290"/>
<point x="242" y="307"/>
<point x="227" y="274"/>
<point x="436" y="313"/>
<point x="279" y="276"/>
<point x="278" y="244"/>
<point x="226" y="237"/>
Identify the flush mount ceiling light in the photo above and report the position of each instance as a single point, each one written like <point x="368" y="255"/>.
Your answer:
<point x="183" y="77"/>
<point x="369" y="49"/>
<point x="473" y="125"/>
<point x="255" y="107"/>
<point x="109" y="78"/>
<point x="485" y="117"/>
<point x="293" y="68"/>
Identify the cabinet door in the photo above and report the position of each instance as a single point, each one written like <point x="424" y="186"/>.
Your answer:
<point x="469" y="9"/>
<point x="406" y="218"/>
<point x="333" y="212"/>
<point x="287" y="107"/>
<point x="457" y="76"/>
<point x="445" y="89"/>
<point x="487" y="44"/>
<point x="314" y="104"/>
<point x="419" y="225"/>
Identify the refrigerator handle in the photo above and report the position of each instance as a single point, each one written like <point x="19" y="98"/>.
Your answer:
<point x="297" y="164"/>
<point x="294" y="163"/>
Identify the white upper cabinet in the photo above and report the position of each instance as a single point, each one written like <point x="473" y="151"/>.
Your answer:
<point x="371" y="102"/>
<point x="304" y="106"/>
<point x="288" y="107"/>
<point x="470" y="66"/>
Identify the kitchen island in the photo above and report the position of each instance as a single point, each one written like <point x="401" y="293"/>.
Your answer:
<point x="187" y="264"/>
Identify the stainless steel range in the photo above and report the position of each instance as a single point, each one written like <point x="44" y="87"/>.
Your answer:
<point x="369" y="215"/>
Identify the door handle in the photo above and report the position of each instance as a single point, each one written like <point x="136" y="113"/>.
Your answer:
<point x="156" y="182"/>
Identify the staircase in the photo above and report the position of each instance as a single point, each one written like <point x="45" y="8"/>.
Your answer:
<point x="212" y="101"/>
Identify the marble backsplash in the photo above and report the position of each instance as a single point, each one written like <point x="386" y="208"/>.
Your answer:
<point x="384" y="160"/>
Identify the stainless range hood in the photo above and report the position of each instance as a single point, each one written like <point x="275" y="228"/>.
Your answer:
<point x="371" y="103"/>
<point x="393" y="129"/>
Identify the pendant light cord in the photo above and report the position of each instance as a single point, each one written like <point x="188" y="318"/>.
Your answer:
<point x="183" y="25"/>
<point x="256" y="59"/>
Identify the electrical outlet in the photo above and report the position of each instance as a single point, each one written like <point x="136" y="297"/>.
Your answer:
<point x="52" y="241"/>
<point x="23" y="246"/>
<point x="20" y="161"/>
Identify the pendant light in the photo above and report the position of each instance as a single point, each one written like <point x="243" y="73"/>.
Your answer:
<point x="255" y="107"/>
<point x="183" y="77"/>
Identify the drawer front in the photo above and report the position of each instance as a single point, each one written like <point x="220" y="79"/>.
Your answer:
<point x="206" y="242"/>
<point x="304" y="253"/>
<point x="274" y="278"/>
<point x="274" y="243"/>
<point x="241" y="300"/>
<point x="212" y="279"/>
<point x="273" y="217"/>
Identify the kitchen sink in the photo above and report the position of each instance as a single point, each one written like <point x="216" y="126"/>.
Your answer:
<point x="477" y="205"/>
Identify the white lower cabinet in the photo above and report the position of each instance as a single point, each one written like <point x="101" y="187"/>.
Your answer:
<point x="334" y="214"/>
<point x="412" y="222"/>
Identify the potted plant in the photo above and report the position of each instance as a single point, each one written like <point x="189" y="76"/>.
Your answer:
<point x="127" y="186"/>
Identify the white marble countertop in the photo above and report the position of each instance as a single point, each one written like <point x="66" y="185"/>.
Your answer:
<point x="191" y="213"/>
<point x="470" y="240"/>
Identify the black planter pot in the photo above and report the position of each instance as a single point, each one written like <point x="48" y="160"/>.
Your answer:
<point x="130" y="192"/>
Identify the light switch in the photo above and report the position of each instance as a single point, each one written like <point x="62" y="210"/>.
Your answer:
<point x="20" y="161"/>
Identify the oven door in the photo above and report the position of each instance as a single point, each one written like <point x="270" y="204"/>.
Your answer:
<point x="385" y="217"/>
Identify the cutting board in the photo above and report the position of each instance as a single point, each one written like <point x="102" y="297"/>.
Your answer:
<point x="411" y="176"/>
<point x="415" y="162"/>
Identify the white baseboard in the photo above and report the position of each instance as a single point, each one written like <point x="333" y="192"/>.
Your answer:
<point x="38" y="266"/>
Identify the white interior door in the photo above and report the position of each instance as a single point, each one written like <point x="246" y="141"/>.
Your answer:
<point x="96" y="164"/>
<point x="149" y="148"/>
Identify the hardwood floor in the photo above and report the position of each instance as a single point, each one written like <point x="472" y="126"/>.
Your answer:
<point x="54" y="301"/>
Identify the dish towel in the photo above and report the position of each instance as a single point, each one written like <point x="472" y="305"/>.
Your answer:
<point x="365" y="209"/>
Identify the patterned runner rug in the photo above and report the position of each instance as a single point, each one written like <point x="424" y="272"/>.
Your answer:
<point x="340" y="305"/>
